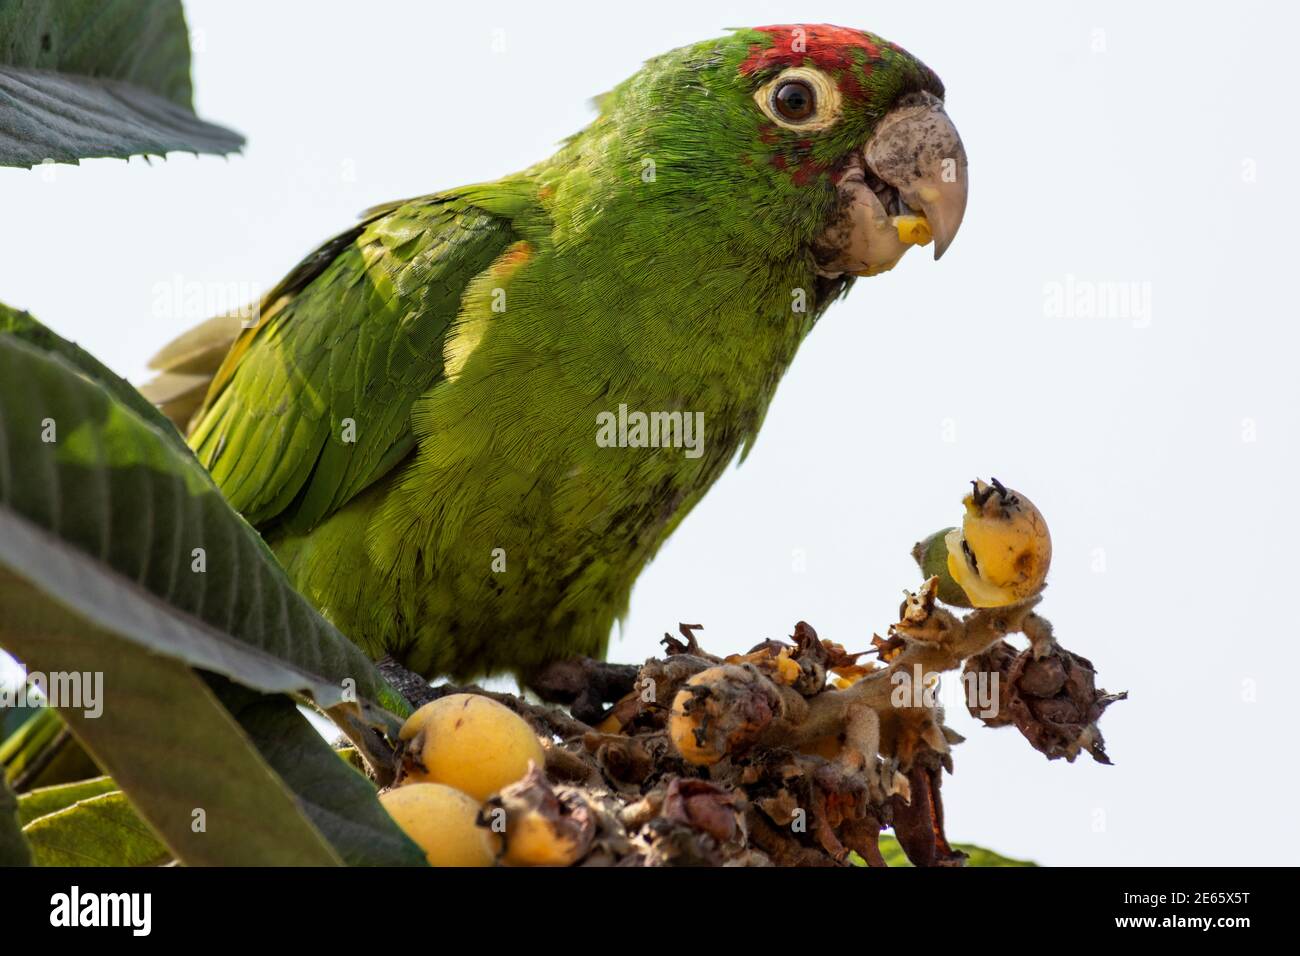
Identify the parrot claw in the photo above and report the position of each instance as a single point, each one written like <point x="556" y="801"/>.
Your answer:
<point x="583" y="684"/>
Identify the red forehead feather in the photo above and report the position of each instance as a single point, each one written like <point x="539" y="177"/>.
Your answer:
<point x="829" y="47"/>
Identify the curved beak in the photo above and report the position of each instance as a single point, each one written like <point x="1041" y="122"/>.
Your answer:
<point x="916" y="150"/>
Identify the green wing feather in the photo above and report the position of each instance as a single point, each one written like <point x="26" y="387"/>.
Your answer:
<point x="312" y="404"/>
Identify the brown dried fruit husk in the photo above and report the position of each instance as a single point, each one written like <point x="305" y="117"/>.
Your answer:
<point x="1053" y="700"/>
<point x="918" y="822"/>
<point x="703" y="806"/>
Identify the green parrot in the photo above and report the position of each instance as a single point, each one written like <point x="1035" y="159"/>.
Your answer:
<point x="467" y="423"/>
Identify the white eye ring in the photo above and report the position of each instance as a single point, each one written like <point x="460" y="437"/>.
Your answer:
<point x="828" y="105"/>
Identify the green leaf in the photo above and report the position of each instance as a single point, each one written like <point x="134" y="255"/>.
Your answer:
<point x="976" y="856"/>
<point x="83" y="78"/>
<point x="24" y="326"/>
<point x="142" y="42"/>
<point x="334" y="795"/>
<point x="43" y="753"/>
<point x="165" y="738"/>
<point x="11" y="718"/>
<point x="327" y="787"/>
<point x="46" y="800"/>
<point x="14" y="850"/>
<point x="103" y="830"/>
<point x="26" y="741"/>
<point x="111" y="519"/>
<point x="97" y="530"/>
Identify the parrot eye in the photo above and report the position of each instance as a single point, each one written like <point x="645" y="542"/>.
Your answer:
<point x="801" y="98"/>
<point x="794" y="100"/>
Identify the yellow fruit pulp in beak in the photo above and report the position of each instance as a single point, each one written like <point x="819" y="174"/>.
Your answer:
<point x="912" y="230"/>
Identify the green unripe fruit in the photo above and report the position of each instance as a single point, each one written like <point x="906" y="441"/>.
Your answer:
<point x="932" y="557"/>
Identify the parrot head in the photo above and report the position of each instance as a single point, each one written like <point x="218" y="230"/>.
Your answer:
<point x="804" y="140"/>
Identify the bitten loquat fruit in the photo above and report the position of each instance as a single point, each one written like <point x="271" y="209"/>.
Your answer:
<point x="1002" y="551"/>
<point x="720" y="711"/>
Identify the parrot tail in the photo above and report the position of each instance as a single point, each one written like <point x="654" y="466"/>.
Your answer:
<point x="186" y="367"/>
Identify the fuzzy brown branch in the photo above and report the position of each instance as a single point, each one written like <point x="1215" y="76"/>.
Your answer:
<point x="941" y="643"/>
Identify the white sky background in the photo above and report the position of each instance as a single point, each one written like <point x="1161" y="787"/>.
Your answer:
<point x="1132" y="163"/>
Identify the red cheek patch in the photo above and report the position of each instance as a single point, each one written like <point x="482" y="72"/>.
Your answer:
<point x="808" y="169"/>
